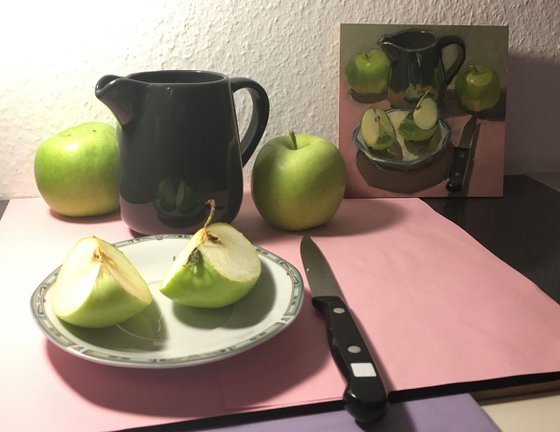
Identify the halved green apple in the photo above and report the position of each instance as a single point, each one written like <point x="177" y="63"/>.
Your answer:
<point x="217" y="267"/>
<point x="377" y="130"/>
<point x="410" y="131"/>
<point x="425" y="114"/>
<point x="97" y="286"/>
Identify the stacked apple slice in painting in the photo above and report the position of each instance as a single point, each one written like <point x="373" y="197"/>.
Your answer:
<point x="421" y="123"/>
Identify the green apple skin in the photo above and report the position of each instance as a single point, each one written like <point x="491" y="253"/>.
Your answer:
<point x="77" y="170"/>
<point x="367" y="72"/>
<point x="477" y="88"/>
<point x="411" y="132"/>
<point x="298" y="188"/>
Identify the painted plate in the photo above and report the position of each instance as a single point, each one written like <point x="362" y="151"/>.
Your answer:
<point x="166" y="335"/>
<point x="405" y="155"/>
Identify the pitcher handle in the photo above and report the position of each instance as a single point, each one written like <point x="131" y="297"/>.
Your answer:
<point x="452" y="70"/>
<point x="259" y="116"/>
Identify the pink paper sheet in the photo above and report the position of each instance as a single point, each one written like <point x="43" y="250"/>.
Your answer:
<point x="437" y="307"/>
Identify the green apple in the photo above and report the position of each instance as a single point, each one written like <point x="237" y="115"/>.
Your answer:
<point x="377" y="129"/>
<point x="166" y="194"/>
<point x="477" y="88"/>
<point x="97" y="286"/>
<point x="185" y="199"/>
<point x="298" y="181"/>
<point x="410" y="131"/>
<point x="77" y="170"/>
<point x="367" y="72"/>
<point x="217" y="267"/>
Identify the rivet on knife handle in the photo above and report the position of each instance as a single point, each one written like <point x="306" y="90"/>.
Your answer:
<point x="365" y="396"/>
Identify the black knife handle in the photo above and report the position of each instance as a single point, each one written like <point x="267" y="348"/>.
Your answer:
<point x="458" y="170"/>
<point x="365" y="396"/>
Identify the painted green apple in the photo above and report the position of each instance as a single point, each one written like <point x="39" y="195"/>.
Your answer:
<point x="298" y="181"/>
<point x="425" y="114"/>
<point x="477" y="88"/>
<point x="97" y="286"/>
<point x="377" y="129"/>
<point x="217" y="267"/>
<point x="367" y="72"/>
<point x="77" y="170"/>
<point x="410" y="131"/>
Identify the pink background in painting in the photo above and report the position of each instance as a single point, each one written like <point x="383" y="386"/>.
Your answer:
<point x="436" y="307"/>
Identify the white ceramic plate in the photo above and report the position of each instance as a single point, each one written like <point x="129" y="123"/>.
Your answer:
<point x="166" y="335"/>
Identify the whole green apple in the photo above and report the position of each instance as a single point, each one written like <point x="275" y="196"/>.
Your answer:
<point x="77" y="170"/>
<point x="367" y="72"/>
<point x="298" y="181"/>
<point x="477" y="88"/>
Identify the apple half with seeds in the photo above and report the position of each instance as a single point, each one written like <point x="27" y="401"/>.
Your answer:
<point x="217" y="267"/>
<point x="377" y="130"/>
<point x="97" y="286"/>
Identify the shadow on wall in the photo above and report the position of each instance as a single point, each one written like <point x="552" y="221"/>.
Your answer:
<point x="533" y="132"/>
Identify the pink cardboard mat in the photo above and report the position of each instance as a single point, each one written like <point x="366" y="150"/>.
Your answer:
<point x="437" y="309"/>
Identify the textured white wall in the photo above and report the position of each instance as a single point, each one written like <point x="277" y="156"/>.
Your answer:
<point x="54" y="52"/>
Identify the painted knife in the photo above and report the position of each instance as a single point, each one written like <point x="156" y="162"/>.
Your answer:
<point x="459" y="173"/>
<point x="365" y="396"/>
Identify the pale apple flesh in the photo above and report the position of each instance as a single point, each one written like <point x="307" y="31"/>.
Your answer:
<point x="217" y="267"/>
<point x="425" y="114"/>
<point x="97" y="286"/>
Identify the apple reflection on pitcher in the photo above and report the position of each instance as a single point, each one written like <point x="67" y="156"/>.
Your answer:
<point x="422" y="109"/>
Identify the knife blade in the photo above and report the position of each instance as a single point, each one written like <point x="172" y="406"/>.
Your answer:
<point x="365" y="396"/>
<point x="458" y="174"/>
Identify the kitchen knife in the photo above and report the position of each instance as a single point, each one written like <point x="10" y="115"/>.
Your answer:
<point x="458" y="175"/>
<point x="365" y="396"/>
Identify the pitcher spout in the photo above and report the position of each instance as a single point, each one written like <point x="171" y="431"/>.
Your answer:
<point x="118" y="94"/>
<point x="391" y="50"/>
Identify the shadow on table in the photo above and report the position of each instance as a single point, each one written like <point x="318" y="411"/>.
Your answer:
<point x="109" y="217"/>
<point x="251" y="378"/>
<point x="354" y="217"/>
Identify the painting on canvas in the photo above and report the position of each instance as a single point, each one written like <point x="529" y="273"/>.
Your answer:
<point x="422" y="109"/>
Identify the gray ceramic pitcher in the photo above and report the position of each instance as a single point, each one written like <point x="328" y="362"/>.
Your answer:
<point x="179" y="146"/>
<point x="417" y="65"/>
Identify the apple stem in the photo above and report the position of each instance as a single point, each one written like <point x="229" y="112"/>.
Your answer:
<point x="293" y="138"/>
<point x="207" y="234"/>
<point x="423" y="97"/>
<point x="475" y="68"/>
<point x="194" y="256"/>
<point x="212" y="204"/>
